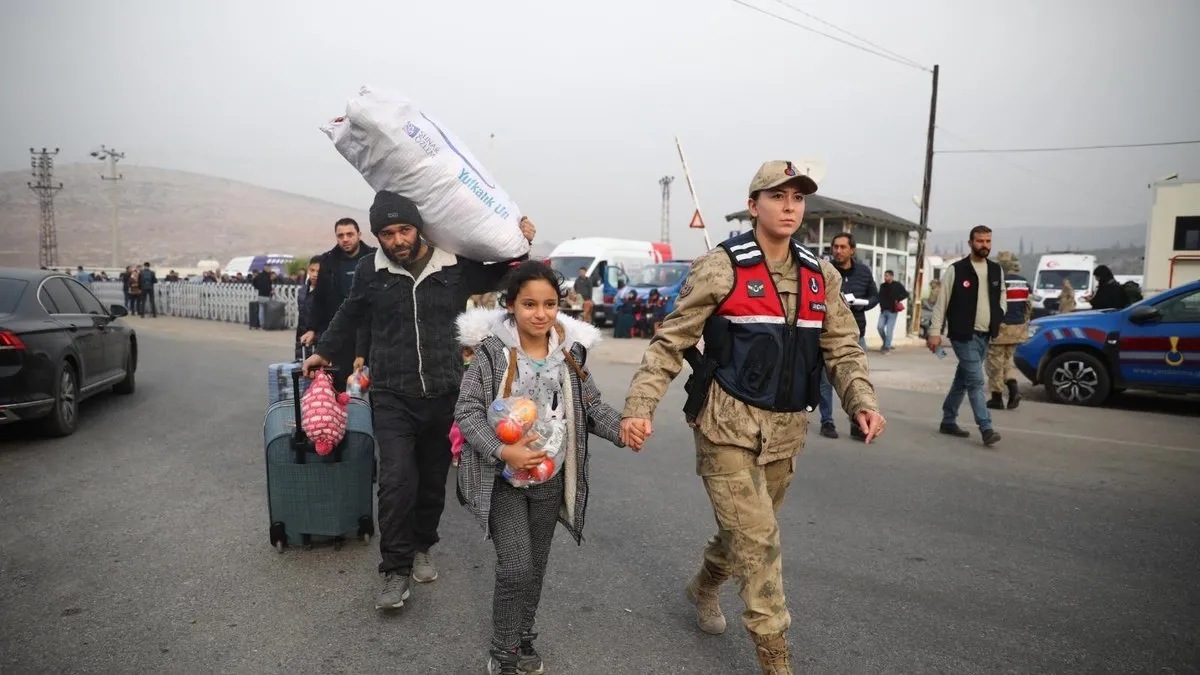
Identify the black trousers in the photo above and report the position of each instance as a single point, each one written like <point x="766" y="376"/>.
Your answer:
<point x="147" y="295"/>
<point x="414" y="459"/>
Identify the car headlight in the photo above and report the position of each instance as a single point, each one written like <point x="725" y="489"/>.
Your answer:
<point x="1037" y="297"/>
<point x="1034" y="329"/>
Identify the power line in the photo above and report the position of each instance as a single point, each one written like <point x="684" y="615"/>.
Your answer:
<point x="1043" y="177"/>
<point x="835" y="38"/>
<point x="1070" y="148"/>
<point x="863" y="40"/>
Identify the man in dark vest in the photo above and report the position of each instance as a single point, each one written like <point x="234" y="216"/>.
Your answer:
<point x="333" y="287"/>
<point x="772" y="317"/>
<point x="1001" y="371"/>
<point x="969" y="313"/>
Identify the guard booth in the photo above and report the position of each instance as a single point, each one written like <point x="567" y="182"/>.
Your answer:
<point x="1172" y="255"/>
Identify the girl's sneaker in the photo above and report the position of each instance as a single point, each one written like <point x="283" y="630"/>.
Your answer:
<point x="504" y="662"/>
<point x="529" y="662"/>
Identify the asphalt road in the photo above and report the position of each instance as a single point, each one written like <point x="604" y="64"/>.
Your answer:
<point x="140" y="546"/>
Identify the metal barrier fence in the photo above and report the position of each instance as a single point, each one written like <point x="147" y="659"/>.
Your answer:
<point x="212" y="301"/>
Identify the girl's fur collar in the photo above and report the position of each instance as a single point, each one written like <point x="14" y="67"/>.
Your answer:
<point x="476" y="325"/>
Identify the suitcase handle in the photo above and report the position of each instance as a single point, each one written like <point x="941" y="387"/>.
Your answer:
<point x="299" y="438"/>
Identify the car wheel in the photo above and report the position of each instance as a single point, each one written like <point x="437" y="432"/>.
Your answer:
<point x="64" y="416"/>
<point x="127" y="385"/>
<point x="1077" y="378"/>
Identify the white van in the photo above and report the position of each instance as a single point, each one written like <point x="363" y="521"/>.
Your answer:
<point x="1052" y="270"/>
<point x="609" y="264"/>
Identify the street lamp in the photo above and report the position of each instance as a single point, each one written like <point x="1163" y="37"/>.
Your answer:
<point x="110" y="155"/>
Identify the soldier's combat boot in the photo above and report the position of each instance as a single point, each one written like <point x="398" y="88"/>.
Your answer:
<point x="774" y="657"/>
<point x="997" y="402"/>
<point x="702" y="592"/>
<point x="1014" y="394"/>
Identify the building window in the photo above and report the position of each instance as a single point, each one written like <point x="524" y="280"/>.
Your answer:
<point x="1187" y="233"/>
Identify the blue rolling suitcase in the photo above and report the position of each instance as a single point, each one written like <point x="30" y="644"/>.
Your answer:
<point x="312" y="497"/>
<point x="279" y="381"/>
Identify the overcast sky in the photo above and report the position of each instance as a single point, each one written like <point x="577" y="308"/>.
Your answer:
<point x="584" y="99"/>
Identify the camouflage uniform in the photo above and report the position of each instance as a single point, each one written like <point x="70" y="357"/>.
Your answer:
<point x="746" y="455"/>
<point x="1001" y="370"/>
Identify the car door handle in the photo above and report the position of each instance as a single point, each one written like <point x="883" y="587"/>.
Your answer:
<point x="73" y="329"/>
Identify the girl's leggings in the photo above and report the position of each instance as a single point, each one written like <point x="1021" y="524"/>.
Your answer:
<point x="522" y="525"/>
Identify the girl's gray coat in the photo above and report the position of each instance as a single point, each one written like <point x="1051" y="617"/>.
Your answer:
<point x="481" y="385"/>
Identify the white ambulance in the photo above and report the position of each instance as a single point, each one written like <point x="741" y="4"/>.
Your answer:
<point x="1052" y="270"/>
<point x="609" y="264"/>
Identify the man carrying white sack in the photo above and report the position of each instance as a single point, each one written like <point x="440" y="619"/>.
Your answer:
<point x="410" y="293"/>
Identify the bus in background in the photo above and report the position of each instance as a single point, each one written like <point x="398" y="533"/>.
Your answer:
<point x="609" y="264"/>
<point x="246" y="264"/>
<point x="1052" y="270"/>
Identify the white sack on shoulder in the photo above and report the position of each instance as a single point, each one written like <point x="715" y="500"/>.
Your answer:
<point x="398" y="147"/>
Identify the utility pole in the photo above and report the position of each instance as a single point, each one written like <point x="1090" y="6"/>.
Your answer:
<point x="665" y="182"/>
<point x="45" y="188"/>
<point x="923" y="233"/>
<point x="111" y="156"/>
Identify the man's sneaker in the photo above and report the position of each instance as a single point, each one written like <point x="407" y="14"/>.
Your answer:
<point x="395" y="591"/>
<point x="954" y="430"/>
<point x="503" y="662"/>
<point x="990" y="437"/>
<point x="529" y="662"/>
<point x="423" y="570"/>
<point x="828" y="430"/>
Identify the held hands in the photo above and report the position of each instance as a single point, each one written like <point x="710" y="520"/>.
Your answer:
<point x="871" y="424"/>
<point x="528" y="229"/>
<point x="635" y="431"/>
<point x="308" y="338"/>
<point x="359" y="362"/>
<point x="520" y="457"/>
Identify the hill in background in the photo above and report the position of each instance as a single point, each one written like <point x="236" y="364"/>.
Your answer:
<point x="1121" y="247"/>
<point x="170" y="218"/>
<point x="1039" y="240"/>
<point x="166" y="217"/>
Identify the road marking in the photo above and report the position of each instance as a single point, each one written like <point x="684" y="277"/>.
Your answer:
<point x="1059" y="434"/>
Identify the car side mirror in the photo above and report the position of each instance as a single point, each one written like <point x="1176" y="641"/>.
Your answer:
<point x="118" y="310"/>
<point x="1145" y="314"/>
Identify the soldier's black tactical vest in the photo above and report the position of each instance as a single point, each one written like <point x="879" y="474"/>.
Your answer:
<point x="960" y="313"/>
<point x="764" y="358"/>
<point x="1016" y="294"/>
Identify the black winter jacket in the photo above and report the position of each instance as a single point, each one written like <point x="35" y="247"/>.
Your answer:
<point x="333" y="287"/>
<point x="859" y="282"/>
<point x="413" y="347"/>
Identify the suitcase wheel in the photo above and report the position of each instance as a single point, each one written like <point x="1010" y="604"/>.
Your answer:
<point x="278" y="537"/>
<point x="366" y="528"/>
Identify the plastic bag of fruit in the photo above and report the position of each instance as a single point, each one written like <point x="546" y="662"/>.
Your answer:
<point x="515" y="418"/>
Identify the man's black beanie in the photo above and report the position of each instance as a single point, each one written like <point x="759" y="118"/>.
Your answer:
<point x="392" y="209"/>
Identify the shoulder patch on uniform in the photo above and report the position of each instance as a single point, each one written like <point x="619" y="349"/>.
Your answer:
<point x="686" y="289"/>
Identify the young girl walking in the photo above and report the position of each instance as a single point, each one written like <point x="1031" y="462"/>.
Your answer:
<point x="527" y="349"/>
